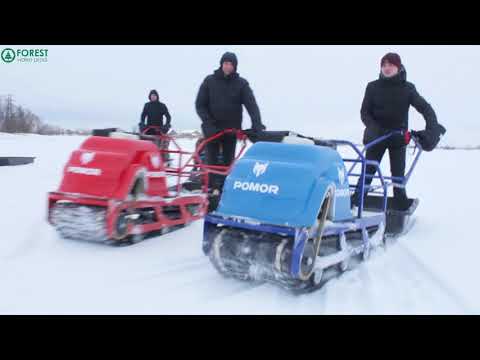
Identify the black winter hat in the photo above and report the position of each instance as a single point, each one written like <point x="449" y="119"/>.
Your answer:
<point x="153" y="92"/>
<point x="231" y="57"/>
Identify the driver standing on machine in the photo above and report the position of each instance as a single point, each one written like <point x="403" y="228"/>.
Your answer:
<point x="219" y="104"/>
<point x="385" y="109"/>
<point x="154" y="111"/>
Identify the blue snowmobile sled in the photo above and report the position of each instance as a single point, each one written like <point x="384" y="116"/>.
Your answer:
<point x="285" y="213"/>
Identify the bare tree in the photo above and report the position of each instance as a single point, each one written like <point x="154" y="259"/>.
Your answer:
<point x="9" y="122"/>
<point x="18" y="119"/>
<point x="21" y="123"/>
<point x="2" y="114"/>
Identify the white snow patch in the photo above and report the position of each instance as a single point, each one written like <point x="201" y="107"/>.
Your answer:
<point x="432" y="270"/>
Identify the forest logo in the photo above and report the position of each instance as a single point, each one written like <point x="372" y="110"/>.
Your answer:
<point x="9" y="55"/>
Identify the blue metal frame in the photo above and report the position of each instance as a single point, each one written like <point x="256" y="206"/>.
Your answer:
<point x="403" y="180"/>
<point x="361" y="159"/>
<point x="385" y="180"/>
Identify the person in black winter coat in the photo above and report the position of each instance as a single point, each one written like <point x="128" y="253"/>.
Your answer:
<point x="219" y="105"/>
<point x="385" y="109"/>
<point x="154" y="111"/>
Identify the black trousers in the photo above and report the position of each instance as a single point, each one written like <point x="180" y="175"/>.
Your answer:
<point x="223" y="148"/>
<point x="163" y="144"/>
<point x="397" y="156"/>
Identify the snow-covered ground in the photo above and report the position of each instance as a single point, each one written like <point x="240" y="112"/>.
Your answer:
<point x="432" y="270"/>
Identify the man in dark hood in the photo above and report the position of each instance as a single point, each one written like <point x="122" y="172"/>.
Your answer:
<point x="219" y="105"/>
<point x="154" y="111"/>
<point x="384" y="109"/>
<point x="221" y="96"/>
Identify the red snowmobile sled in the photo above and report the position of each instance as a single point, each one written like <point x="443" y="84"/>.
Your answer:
<point x="118" y="187"/>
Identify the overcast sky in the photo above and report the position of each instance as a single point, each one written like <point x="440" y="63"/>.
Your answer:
<point x="316" y="90"/>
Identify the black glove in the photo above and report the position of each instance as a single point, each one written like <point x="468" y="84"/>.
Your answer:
<point x="259" y="128"/>
<point x="430" y="137"/>
<point x="165" y="128"/>
<point x="141" y="126"/>
<point x="423" y="138"/>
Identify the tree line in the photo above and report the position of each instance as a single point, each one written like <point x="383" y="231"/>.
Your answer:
<point x="18" y="119"/>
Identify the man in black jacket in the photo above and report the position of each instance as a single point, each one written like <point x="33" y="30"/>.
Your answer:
<point x="385" y="109"/>
<point x="154" y="111"/>
<point x="219" y="105"/>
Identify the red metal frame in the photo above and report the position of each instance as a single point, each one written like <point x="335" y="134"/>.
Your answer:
<point x="194" y="160"/>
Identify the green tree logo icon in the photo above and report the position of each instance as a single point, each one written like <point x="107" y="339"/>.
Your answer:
<point x="8" y="55"/>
